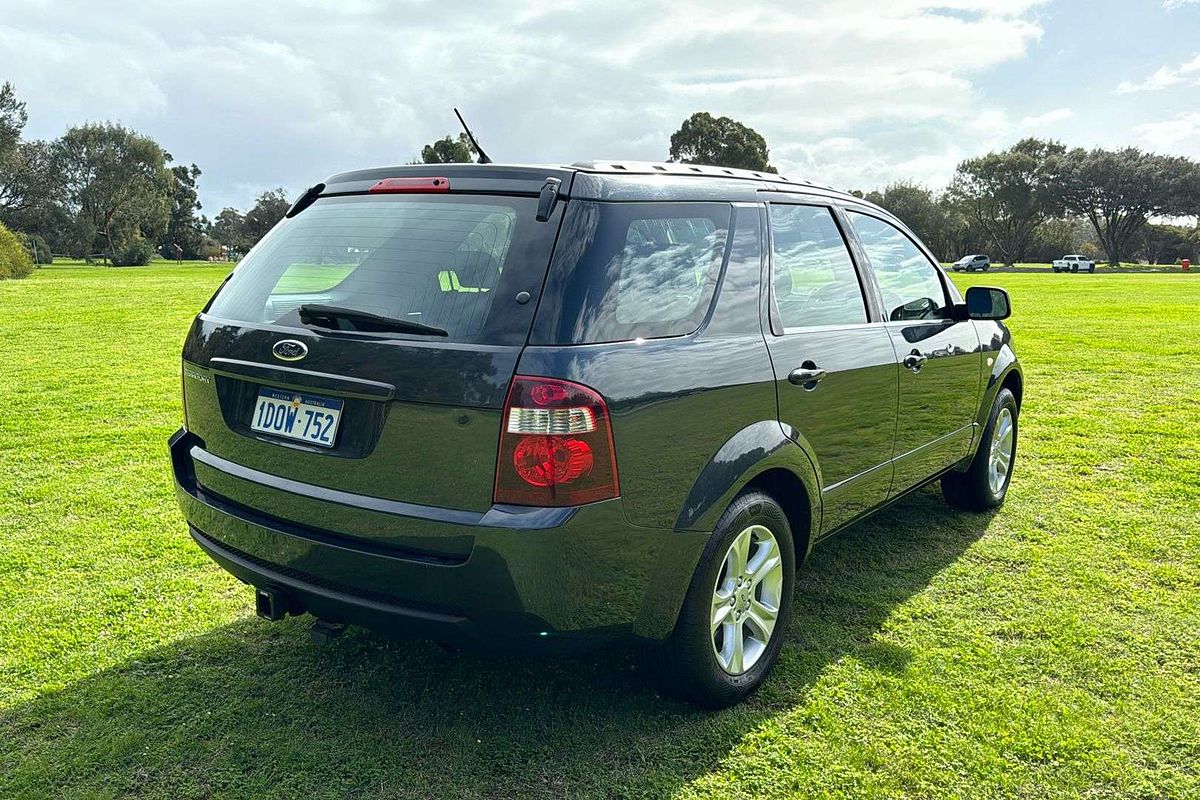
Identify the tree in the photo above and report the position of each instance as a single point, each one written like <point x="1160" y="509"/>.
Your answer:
<point x="12" y="119"/>
<point x="1008" y="194"/>
<point x="227" y="229"/>
<point x="264" y="215"/>
<point x="448" y="151"/>
<point x="26" y="177"/>
<point x="183" y="228"/>
<point x="1166" y="244"/>
<point x="1057" y="237"/>
<point x="115" y="182"/>
<point x="719" y="142"/>
<point x="1119" y="191"/>
<point x="922" y="210"/>
<point x="28" y="184"/>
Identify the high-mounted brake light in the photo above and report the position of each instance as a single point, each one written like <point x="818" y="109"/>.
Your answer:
<point x="411" y="186"/>
<point x="556" y="445"/>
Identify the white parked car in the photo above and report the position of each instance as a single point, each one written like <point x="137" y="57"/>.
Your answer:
<point x="971" y="263"/>
<point x="1074" y="263"/>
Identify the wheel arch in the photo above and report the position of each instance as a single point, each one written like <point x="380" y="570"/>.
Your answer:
<point x="763" y="457"/>
<point x="1006" y="374"/>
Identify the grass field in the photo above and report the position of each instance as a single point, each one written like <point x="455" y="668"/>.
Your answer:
<point x="1049" y="650"/>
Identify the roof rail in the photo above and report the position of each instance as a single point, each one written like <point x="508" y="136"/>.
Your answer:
<point x="679" y="168"/>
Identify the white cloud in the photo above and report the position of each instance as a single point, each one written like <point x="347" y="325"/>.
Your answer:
<point x="1173" y="4"/>
<point x="259" y="94"/>
<point x="1048" y="118"/>
<point x="1165" y="77"/>
<point x="1172" y="134"/>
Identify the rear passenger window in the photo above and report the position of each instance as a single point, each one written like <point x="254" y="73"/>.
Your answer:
<point x="908" y="281"/>
<point x="813" y="279"/>
<point x="632" y="270"/>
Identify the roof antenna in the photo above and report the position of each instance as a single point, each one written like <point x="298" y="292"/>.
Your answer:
<point x="483" y="157"/>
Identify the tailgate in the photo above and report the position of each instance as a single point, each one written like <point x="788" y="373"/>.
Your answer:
<point x="401" y="413"/>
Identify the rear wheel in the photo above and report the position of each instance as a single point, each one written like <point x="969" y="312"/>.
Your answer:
<point x="732" y="623"/>
<point x="985" y="482"/>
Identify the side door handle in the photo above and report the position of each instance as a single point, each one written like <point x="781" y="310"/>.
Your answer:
<point x="915" y="361"/>
<point x="807" y="375"/>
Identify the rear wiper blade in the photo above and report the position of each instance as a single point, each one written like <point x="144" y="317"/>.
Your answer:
<point x="316" y="314"/>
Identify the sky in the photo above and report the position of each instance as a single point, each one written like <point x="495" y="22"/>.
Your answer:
<point x="855" y="93"/>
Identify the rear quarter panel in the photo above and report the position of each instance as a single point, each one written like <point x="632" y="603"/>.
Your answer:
<point x="674" y="404"/>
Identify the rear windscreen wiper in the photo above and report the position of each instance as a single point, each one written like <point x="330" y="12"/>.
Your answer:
<point x="331" y="316"/>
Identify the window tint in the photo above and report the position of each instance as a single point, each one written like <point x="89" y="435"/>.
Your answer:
<point x="813" y="278"/>
<point x="632" y="270"/>
<point x="909" y="283"/>
<point x="437" y="261"/>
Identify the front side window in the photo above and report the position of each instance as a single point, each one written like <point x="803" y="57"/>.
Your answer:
<point x="813" y="280"/>
<point x="908" y="281"/>
<point x="624" y="271"/>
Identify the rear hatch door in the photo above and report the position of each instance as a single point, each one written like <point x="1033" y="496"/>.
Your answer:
<point x="365" y="347"/>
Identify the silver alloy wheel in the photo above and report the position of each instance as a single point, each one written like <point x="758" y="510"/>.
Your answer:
<point x="746" y="599"/>
<point x="1002" y="450"/>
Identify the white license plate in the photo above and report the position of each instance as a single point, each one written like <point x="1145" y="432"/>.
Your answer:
<point x="295" y="415"/>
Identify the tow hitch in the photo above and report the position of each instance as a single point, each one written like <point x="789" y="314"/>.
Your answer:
<point x="271" y="604"/>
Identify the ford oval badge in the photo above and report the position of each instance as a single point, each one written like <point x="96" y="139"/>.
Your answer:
<point x="289" y="350"/>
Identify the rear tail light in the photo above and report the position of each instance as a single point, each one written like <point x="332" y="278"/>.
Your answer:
<point x="556" y="446"/>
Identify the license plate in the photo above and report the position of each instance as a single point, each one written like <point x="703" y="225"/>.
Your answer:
<point x="295" y="415"/>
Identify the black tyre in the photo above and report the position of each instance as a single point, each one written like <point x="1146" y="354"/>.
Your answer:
<point x="985" y="482"/>
<point x="735" y="615"/>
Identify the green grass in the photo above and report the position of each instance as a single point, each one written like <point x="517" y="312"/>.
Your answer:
<point x="1049" y="650"/>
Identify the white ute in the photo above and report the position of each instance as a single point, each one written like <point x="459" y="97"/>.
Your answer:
<point x="1074" y="263"/>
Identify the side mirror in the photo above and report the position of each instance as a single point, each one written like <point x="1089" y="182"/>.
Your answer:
<point x="987" y="302"/>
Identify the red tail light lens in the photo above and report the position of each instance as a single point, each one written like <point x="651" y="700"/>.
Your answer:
<point x="556" y="446"/>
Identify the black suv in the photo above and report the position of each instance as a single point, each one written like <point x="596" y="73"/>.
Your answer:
<point x="523" y="405"/>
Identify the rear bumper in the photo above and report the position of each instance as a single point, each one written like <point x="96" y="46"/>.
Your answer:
<point x="522" y="577"/>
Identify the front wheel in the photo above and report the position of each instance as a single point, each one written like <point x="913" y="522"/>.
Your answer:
<point x="735" y="614"/>
<point x="984" y="485"/>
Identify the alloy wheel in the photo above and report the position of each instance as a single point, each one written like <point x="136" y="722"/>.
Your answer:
<point x="746" y="599"/>
<point x="1000" y="460"/>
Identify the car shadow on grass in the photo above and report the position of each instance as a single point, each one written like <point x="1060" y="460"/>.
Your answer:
<point x="254" y="709"/>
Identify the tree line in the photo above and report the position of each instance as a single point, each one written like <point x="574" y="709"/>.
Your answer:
<point x="1035" y="201"/>
<point x="102" y="190"/>
<point x="1039" y="200"/>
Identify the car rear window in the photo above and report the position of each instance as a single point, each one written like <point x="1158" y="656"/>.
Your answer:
<point x="451" y="262"/>
<point x="632" y="270"/>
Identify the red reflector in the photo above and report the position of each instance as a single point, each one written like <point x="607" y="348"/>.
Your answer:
<point x="547" y="460"/>
<point x="556" y="445"/>
<point x="411" y="186"/>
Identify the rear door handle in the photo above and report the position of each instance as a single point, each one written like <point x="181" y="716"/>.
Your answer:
<point x="914" y="361"/>
<point x="808" y="377"/>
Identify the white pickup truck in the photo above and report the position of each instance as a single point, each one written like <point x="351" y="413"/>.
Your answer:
<point x="1073" y="264"/>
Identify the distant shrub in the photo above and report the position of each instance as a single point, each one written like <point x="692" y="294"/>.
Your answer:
<point x="15" y="261"/>
<point x="37" y="248"/>
<point x="137" y="254"/>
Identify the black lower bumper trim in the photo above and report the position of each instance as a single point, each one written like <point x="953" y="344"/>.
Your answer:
<point x="340" y="603"/>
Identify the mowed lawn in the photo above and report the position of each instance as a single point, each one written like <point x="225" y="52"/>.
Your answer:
<point x="1049" y="650"/>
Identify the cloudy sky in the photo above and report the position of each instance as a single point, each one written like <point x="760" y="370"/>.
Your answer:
<point x="852" y="93"/>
